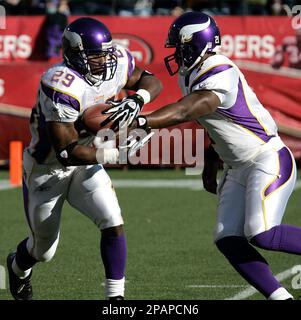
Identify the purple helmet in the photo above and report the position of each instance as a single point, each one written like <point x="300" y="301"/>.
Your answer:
<point x="192" y="34"/>
<point x="86" y="37"/>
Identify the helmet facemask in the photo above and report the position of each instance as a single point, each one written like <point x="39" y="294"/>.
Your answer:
<point x="186" y="58"/>
<point x="95" y="61"/>
<point x="101" y="65"/>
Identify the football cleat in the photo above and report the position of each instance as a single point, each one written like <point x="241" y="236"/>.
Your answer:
<point x="20" y="289"/>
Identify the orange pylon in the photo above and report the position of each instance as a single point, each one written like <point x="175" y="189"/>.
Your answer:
<point x="15" y="163"/>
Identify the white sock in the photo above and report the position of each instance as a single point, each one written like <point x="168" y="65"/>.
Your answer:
<point x="19" y="272"/>
<point x="280" y="294"/>
<point x="114" y="288"/>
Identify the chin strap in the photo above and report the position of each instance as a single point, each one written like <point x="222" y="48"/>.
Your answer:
<point x="199" y="58"/>
<point x="184" y="70"/>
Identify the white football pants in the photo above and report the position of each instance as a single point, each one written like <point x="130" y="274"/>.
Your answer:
<point x="87" y="189"/>
<point x="252" y="198"/>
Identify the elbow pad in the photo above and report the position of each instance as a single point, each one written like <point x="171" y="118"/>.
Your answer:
<point x="64" y="155"/>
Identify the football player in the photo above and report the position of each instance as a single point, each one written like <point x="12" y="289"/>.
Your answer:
<point x="260" y="170"/>
<point x="62" y="165"/>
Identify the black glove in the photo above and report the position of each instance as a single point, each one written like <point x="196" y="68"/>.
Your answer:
<point x="124" y="112"/>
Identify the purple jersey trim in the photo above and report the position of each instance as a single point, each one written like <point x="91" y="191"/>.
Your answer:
<point x="240" y="114"/>
<point x="60" y="97"/>
<point x="131" y="66"/>
<point x="211" y="72"/>
<point x="285" y="170"/>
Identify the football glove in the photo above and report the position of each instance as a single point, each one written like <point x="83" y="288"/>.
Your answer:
<point x="124" y="112"/>
<point x="138" y="137"/>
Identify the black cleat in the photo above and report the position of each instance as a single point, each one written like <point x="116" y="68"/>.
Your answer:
<point x="116" y="298"/>
<point x="20" y="289"/>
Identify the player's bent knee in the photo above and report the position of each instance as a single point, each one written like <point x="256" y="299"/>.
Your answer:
<point x="231" y="244"/>
<point x="252" y="228"/>
<point x="269" y="240"/>
<point x="112" y="231"/>
<point x="238" y="250"/>
<point x="111" y="220"/>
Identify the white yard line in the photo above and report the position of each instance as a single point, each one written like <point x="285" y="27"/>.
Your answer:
<point x="250" y="291"/>
<point x="4" y="185"/>
<point x="192" y="184"/>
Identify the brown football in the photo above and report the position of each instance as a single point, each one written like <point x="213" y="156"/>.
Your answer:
<point x="93" y="117"/>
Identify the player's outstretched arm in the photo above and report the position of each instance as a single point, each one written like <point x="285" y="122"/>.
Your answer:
<point x="64" y="139"/>
<point x="190" y="107"/>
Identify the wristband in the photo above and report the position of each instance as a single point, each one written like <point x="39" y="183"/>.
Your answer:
<point x="145" y="95"/>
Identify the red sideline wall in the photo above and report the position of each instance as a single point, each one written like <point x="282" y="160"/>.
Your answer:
<point x="250" y="41"/>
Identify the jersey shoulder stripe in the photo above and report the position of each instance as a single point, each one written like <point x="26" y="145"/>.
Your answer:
<point x="59" y="96"/>
<point x="202" y="76"/>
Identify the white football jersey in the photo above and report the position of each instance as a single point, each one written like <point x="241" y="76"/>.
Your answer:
<point x="240" y="125"/>
<point x="64" y="95"/>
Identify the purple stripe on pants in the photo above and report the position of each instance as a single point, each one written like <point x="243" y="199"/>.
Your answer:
<point x="285" y="171"/>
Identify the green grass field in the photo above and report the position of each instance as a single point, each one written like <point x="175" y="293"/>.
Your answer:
<point x="171" y="254"/>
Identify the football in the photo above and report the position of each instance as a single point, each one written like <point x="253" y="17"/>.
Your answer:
<point x="92" y="118"/>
